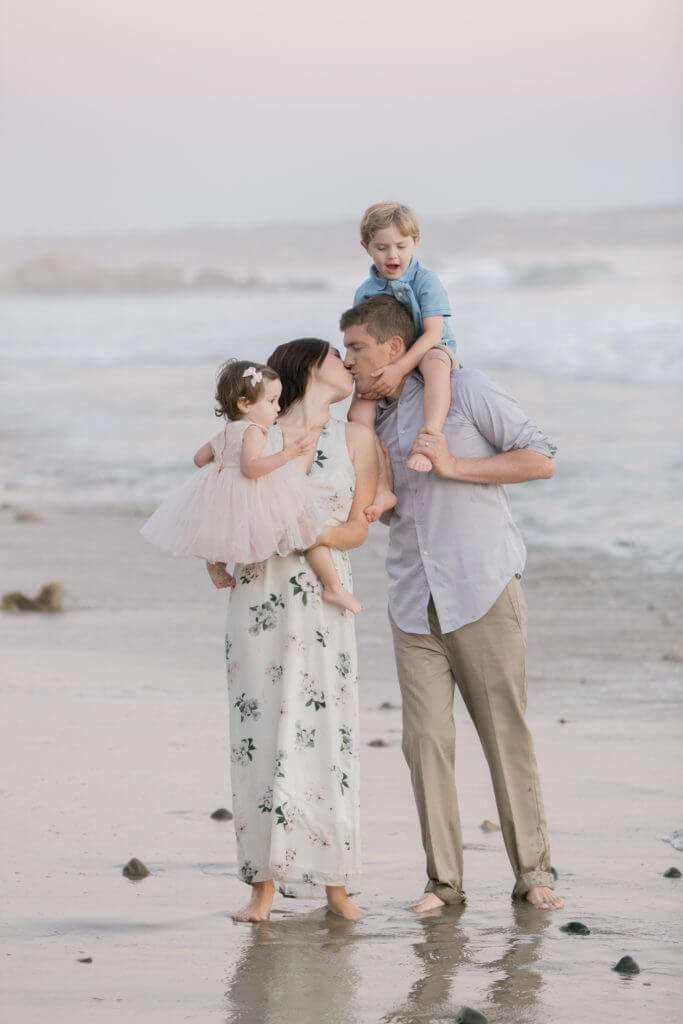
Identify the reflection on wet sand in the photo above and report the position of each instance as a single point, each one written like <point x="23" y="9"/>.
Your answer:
<point x="296" y="969"/>
<point x="446" y="946"/>
<point x="308" y="968"/>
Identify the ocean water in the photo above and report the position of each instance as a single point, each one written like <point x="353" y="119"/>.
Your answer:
<point x="104" y="399"/>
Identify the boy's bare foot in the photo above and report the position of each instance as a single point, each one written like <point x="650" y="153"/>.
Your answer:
<point x="342" y="599"/>
<point x="419" y="463"/>
<point x="430" y="901"/>
<point x="339" y="902"/>
<point x="544" y="898"/>
<point x="384" y="501"/>
<point x="258" y="907"/>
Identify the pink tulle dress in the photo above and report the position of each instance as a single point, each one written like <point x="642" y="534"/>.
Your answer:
<point x="223" y="516"/>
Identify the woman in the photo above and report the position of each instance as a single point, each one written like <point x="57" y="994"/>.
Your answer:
<point x="291" y="662"/>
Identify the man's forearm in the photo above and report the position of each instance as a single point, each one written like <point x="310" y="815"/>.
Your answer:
<point x="514" y="467"/>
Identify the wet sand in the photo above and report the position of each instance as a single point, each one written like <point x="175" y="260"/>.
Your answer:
<point x="113" y="721"/>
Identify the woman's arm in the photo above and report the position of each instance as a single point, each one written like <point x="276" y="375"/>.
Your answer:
<point x="354" y="531"/>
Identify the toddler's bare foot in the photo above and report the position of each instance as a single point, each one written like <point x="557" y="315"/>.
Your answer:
<point x="430" y="901"/>
<point x="258" y="907"/>
<point x="384" y="500"/>
<point x="339" y="902"/>
<point x="342" y="599"/>
<point x="419" y="463"/>
<point x="544" y="898"/>
<point x="220" y="577"/>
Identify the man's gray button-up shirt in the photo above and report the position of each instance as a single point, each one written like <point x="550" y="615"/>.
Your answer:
<point x="454" y="540"/>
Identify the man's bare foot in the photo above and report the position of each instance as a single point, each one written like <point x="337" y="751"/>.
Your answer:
<point x="220" y="577"/>
<point x="430" y="901"/>
<point x="419" y="463"/>
<point x="339" y="902"/>
<point x="384" y="501"/>
<point x="543" y="897"/>
<point x="342" y="598"/>
<point x="258" y="907"/>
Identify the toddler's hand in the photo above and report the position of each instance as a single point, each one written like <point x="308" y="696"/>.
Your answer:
<point x="303" y="446"/>
<point x="386" y="380"/>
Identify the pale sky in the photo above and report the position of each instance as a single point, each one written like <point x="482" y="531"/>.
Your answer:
<point x="123" y="114"/>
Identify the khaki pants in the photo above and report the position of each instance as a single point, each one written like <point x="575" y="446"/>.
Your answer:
<point x="487" y="661"/>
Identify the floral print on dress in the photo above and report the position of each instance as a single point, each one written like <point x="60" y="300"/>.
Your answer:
<point x="294" y="707"/>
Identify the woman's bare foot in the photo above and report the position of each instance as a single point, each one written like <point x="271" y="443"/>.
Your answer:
<point x="544" y="898"/>
<point x="384" y="501"/>
<point x="419" y="463"/>
<point x="430" y="901"/>
<point x="258" y="907"/>
<point x="342" y="598"/>
<point x="339" y="902"/>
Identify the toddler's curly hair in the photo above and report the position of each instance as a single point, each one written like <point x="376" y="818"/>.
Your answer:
<point x="231" y="385"/>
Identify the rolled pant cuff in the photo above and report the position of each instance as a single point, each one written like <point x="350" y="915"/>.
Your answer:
<point x="529" y="880"/>
<point x="446" y="893"/>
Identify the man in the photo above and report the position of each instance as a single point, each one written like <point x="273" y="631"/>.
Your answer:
<point x="456" y="606"/>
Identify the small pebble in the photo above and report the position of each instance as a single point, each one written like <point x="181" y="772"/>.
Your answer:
<point x="135" y="869"/>
<point x="469" y="1016"/>
<point x="553" y="872"/>
<point x="676" y="656"/>
<point x="222" y="814"/>
<point x="27" y="517"/>
<point x="672" y="873"/>
<point x="575" y="928"/>
<point x="627" y="965"/>
<point x="378" y="743"/>
<point x="562" y="721"/>
<point x="388" y="706"/>
<point x="85" y="960"/>
<point x="489" y="826"/>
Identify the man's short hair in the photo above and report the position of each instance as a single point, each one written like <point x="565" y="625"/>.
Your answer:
<point x="383" y="215"/>
<point x="383" y="317"/>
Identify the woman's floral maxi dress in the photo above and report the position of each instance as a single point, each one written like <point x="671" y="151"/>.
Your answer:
<point x="292" y="684"/>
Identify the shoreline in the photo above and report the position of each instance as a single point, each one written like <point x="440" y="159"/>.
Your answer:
<point x="115" y="727"/>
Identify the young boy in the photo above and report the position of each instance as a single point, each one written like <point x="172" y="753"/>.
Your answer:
<point x="390" y="234"/>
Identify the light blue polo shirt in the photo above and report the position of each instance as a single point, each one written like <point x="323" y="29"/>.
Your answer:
<point x="420" y="291"/>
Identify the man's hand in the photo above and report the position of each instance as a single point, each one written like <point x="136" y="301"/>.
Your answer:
<point x="432" y="443"/>
<point x="385" y="382"/>
<point x="220" y="577"/>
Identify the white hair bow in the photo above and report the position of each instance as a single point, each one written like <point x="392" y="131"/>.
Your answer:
<point x="256" y="375"/>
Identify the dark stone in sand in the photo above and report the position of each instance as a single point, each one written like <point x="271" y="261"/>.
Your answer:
<point x="575" y="928"/>
<point x="627" y="965"/>
<point x="489" y="826"/>
<point x="672" y="873"/>
<point x="562" y="721"/>
<point x="676" y="656"/>
<point x="85" y="960"/>
<point x="378" y="743"/>
<point x="50" y="599"/>
<point x="469" y="1016"/>
<point x="553" y="872"/>
<point x="388" y="706"/>
<point x="135" y="869"/>
<point x="28" y="517"/>
<point x="222" y="814"/>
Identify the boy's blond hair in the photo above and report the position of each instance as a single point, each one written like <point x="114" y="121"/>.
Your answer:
<point x="382" y="215"/>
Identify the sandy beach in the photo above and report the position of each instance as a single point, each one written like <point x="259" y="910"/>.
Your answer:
<point x="114" y="728"/>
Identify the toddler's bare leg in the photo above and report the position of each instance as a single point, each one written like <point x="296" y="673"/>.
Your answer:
<point x="363" y="411"/>
<point x="320" y="560"/>
<point x="435" y="367"/>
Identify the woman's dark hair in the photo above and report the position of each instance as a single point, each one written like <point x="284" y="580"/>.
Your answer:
<point x="231" y="385"/>
<point x="293" y="362"/>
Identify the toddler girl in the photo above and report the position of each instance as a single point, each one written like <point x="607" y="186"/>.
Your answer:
<point x="247" y="502"/>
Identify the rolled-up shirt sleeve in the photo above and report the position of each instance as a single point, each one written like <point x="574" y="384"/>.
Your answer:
<point x="499" y="417"/>
<point x="431" y="295"/>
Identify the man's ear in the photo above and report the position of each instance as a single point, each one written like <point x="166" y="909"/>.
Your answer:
<point x="396" y="346"/>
